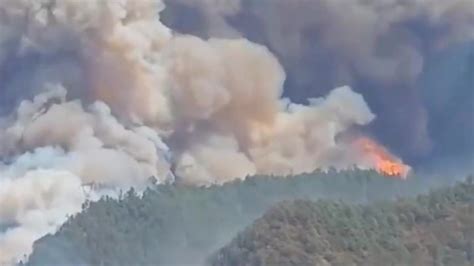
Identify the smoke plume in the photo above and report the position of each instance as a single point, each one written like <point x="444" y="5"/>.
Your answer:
<point x="380" y="48"/>
<point x="99" y="96"/>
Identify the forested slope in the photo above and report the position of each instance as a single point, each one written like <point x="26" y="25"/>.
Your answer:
<point x="183" y="225"/>
<point x="435" y="229"/>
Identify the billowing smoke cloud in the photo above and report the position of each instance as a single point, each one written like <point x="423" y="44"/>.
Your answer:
<point x="52" y="149"/>
<point x="101" y="95"/>
<point x="380" y="48"/>
<point x="33" y="204"/>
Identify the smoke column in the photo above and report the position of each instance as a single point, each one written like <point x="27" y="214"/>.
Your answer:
<point x="98" y="96"/>
<point x="385" y="50"/>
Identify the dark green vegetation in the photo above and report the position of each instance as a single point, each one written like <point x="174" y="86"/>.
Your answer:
<point x="436" y="229"/>
<point x="183" y="225"/>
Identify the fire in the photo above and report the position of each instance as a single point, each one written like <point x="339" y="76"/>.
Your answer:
<point x="384" y="162"/>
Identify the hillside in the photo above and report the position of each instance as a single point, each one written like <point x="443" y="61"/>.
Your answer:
<point x="176" y="225"/>
<point x="436" y="229"/>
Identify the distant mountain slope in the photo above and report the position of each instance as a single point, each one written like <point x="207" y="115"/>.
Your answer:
<point x="436" y="229"/>
<point x="183" y="225"/>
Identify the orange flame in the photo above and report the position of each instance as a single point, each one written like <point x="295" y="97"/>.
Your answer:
<point x="384" y="162"/>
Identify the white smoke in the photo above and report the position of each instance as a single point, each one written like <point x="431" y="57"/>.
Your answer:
<point x="115" y="98"/>
<point x="33" y="204"/>
<point x="52" y="151"/>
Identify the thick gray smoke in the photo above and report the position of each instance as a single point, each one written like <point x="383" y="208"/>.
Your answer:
<point x="380" y="48"/>
<point x="98" y="96"/>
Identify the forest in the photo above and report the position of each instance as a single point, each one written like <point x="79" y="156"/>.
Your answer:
<point x="432" y="229"/>
<point x="186" y="225"/>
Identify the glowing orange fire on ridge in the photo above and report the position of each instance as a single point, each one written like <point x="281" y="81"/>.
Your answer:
<point x="384" y="162"/>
